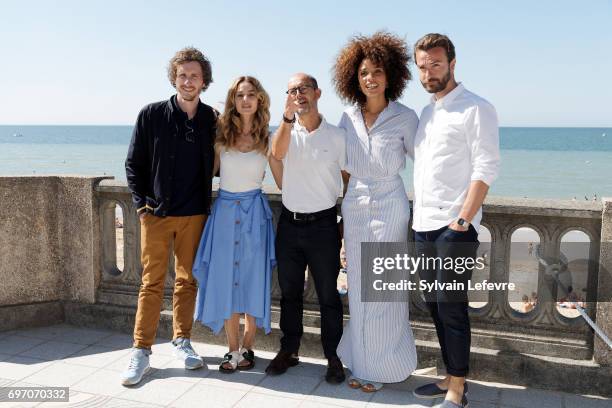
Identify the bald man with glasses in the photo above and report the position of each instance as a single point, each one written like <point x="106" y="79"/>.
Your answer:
<point x="313" y="155"/>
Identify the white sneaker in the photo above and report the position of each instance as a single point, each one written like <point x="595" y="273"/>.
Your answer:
<point x="138" y="367"/>
<point x="184" y="352"/>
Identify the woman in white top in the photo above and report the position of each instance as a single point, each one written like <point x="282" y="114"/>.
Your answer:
<point x="371" y="73"/>
<point x="235" y="258"/>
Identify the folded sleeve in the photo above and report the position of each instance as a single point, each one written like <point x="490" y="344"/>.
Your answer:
<point x="410" y="124"/>
<point x="483" y="142"/>
<point x="342" y="149"/>
<point x="344" y="120"/>
<point x="136" y="163"/>
<point x="344" y="123"/>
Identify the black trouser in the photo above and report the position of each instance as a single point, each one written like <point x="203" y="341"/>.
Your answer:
<point x="449" y="309"/>
<point x="315" y="244"/>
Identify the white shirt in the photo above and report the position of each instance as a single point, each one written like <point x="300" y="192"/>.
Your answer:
<point x="241" y="172"/>
<point x="457" y="142"/>
<point x="311" y="168"/>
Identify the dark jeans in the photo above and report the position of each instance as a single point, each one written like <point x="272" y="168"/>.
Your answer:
<point x="315" y="244"/>
<point x="449" y="309"/>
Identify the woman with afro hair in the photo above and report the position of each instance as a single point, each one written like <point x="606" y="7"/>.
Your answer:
<point x="371" y="74"/>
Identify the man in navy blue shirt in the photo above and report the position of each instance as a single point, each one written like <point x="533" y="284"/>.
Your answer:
<point x="169" y="172"/>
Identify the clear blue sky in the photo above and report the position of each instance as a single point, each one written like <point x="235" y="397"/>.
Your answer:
<point x="541" y="63"/>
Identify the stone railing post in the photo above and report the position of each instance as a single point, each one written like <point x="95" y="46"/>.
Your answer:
<point x="601" y="352"/>
<point x="49" y="247"/>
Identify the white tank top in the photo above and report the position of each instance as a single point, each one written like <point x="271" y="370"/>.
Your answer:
<point x="241" y="171"/>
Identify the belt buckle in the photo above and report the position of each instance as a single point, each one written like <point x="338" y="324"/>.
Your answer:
<point x="295" y="217"/>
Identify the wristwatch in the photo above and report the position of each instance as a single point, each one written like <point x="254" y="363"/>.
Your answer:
<point x="463" y="222"/>
<point x="288" y="120"/>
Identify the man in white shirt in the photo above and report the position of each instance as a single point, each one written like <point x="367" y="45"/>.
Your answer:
<point x="313" y="154"/>
<point x="456" y="160"/>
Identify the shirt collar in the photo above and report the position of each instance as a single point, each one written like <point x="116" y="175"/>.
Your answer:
<point x="449" y="97"/>
<point x="301" y="128"/>
<point x="178" y="112"/>
<point x="392" y="109"/>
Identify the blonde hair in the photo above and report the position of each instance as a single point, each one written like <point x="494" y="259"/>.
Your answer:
<point x="230" y="125"/>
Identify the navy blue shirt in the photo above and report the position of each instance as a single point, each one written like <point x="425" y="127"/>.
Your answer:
<point x="188" y="181"/>
<point x="168" y="167"/>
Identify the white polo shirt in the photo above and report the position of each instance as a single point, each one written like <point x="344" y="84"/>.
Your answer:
<point x="457" y="142"/>
<point x="311" y="168"/>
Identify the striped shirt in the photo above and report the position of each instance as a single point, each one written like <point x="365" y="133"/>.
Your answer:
<point x="383" y="155"/>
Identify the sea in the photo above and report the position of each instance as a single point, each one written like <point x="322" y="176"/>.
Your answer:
<point x="537" y="162"/>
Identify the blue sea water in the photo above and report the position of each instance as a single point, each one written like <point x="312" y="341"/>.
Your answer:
<point x="536" y="162"/>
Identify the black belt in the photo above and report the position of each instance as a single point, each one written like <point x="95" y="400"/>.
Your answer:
<point x="307" y="217"/>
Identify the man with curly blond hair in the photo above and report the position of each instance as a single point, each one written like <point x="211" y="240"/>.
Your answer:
<point x="456" y="158"/>
<point x="169" y="172"/>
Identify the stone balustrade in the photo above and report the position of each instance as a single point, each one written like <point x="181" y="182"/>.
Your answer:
<point x="59" y="261"/>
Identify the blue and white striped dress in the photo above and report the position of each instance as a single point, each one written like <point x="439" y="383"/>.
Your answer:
<point x="377" y="344"/>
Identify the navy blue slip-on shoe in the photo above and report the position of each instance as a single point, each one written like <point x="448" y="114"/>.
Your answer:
<point x="429" y="391"/>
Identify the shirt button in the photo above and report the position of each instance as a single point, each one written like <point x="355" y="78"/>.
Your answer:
<point x="236" y="243"/>
<point x="237" y="201"/>
<point x="236" y="263"/>
<point x="236" y="284"/>
<point x="172" y="156"/>
<point x="237" y="221"/>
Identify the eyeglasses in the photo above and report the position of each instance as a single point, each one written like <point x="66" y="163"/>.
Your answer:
<point x="301" y="88"/>
<point x="190" y="134"/>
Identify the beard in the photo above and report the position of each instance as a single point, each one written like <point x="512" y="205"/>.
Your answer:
<point x="437" y="85"/>
<point x="188" y="96"/>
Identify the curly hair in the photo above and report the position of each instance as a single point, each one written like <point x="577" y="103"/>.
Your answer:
<point x="190" y="54"/>
<point x="230" y="126"/>
<point x="385" y="50"/>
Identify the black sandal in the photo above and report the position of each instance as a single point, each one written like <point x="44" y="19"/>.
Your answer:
<point x="232" y="358"/>
<point x="247" y="355"/>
